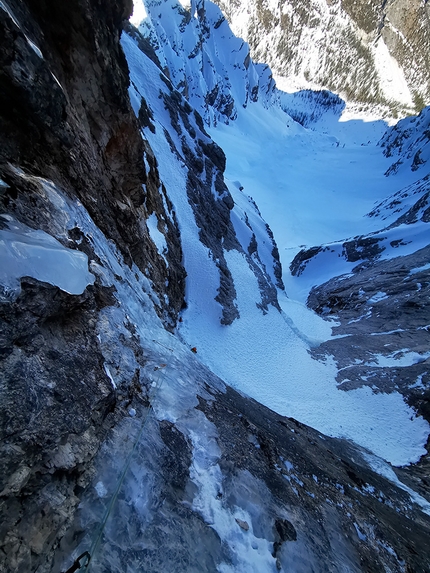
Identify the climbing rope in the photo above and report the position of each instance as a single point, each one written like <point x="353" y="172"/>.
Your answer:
<point x="90" y="554"/>
<point x="77" y="563"/>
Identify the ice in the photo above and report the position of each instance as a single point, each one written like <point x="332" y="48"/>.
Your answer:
<point x="26" y="252"/>
<point x="377" y="297"/>
<point x="399" y="359"/>
<point x="425" y="267"/>
<point x="157" y="236"/>
<point x="100" y="489"/>
<point x="6" y="8"/>
<point x="382" y="468"/>
<point x="35" y="49"/>
<point x="251" y="551"/>
<point x="361" y="535"/>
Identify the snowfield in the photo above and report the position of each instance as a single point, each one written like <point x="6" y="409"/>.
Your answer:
<point x="312" y="187"/>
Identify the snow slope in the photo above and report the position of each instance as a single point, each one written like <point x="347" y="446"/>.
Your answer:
<point x="192" y="45"/>
<point x="311" y="188"/>
<point x="373" y="53"/>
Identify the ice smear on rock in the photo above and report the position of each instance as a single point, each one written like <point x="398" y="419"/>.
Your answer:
<point x="382" y="468"/>
<point x="26" y="252"/>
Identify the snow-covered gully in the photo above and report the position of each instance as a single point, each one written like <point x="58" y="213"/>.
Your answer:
<point x="214" y="319"/>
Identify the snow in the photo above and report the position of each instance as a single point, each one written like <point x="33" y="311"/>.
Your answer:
<point x="252" y="553"/>
<point x="264" y="357"/>
<point x="399" y="359"/>
<point x="311" y="188"/>
<point x="139" y="13"/>
<point x="382" y="468"/>
<point x="377" y="297"/>
<point x="157" y="236"/>
<point x="391" y="76"/>
<point x="26" y="252"/>
<point x="421" y="269"/>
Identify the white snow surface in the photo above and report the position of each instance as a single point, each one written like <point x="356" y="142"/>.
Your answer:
<point x="139" y="13"/>
<point x="383" y="469"/>
<point x="204" y="59"/>
<point x="311" y="188"/>
<point x="157" y="236"/>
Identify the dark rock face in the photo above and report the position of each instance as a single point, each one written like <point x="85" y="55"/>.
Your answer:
<point x="384" y="309"/>
<point x="308" y="106"/>
<point x="80" y="132"/>
<point x="408" y="141"/>
<point x="407" y="206"/>
<point x="66" y="118"/>
<point x="302" y="258"/>
<point x="56" y="406"/>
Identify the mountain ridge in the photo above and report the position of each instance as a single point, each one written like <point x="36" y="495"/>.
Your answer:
<point x="371" y="53"/>
<point x="132" y="184"/>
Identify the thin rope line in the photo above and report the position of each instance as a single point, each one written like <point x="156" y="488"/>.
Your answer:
<point x="108" y="511"/>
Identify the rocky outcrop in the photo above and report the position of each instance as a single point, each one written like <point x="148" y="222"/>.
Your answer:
<point x="409" y="143"/>
<point x="383" y="310"/>
<point x="67" y="121"/>
<point x="343" y="45"/>
<point x="205" y="162"/>
<point x="64" y="86"/>
<point x="308" y="106"/>
<point x="381" y="303"/>
<point x="99" y="401"/>
<point x="252" y="483"/>
<point x="205" y="62"/>
<point x="57" y="405"/>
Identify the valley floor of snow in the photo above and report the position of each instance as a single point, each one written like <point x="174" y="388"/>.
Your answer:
<point x="311" y="188"/>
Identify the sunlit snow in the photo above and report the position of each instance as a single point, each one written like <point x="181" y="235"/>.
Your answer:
<point x="139" y="12"/>
<point x="311" y="188"/>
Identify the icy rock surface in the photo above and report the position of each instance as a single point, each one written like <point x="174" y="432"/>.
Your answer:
<point x="26" y="252"/>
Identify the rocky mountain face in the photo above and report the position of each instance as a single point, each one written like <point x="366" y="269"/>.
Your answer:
<point x="98" y="164"/>
<point x="189" y="44"/>
<point x="368" y="52"/>
<point x="381" y="305"/>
